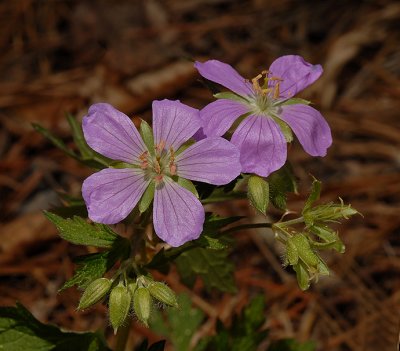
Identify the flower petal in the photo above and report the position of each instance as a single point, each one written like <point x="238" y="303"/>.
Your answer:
<point x="213" y="160"/>
<point x="262" y="145"/>
<point x="219" y="116"/>
<point x="226" y="75"/>
<point x="178" y="216"/>
<point x="112" y="134"/>
<point x="111" y="194"/>
<point x="310" y="127"/>
<point x="174" y="123"/>
<point x="296" y="74"/>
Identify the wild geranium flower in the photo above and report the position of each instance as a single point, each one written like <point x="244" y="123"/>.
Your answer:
<point x="112" y="193"/>
<point x="267" y="108"/>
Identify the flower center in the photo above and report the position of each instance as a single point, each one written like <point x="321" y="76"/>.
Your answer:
<point x="267" y="93"/>
<point x="160" y="164"/>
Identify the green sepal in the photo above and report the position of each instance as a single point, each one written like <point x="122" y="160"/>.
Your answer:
<point x="304" y="250"/>
<point x="122" y="165"/>
<point x="229" y="96"/>
<point x="295" y="101"/>
<point x="147" y="135"/>
<point x="258" y="193"/>
<point x="163" y="293"/>
<point x="292" y="255"/>
<point x="147" y="197"/>
<point x="330" y="239"/>
<point x="142" y="302"/>
<point x="302" y="275"/>
<point x="323" y="269"/>
<point x="314" y="195"/>
<point x="185" y="146"/>
<point x="94" y="293"/>
<point x="285" y="129"/>
<point x="119" y="304"/>
<point x="188" y="185"/>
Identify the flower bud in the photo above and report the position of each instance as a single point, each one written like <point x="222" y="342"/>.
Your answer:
<point x="132" y="286"/>
<point x="258" y="193"/>
<point x="95" y="291"/>
<point x="142" y="304"/>
<point x="304" y="250"/>
<point x="163" y="293"/>
<point x="119" y="305"/>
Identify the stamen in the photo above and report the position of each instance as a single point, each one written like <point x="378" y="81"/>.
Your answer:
<point x="172" y="168"/>
<point x="143" y="156"/>
<point x="157" y="167"/>
<point x="160" y="147"/>
<point x="144" y="165"/>
<point x="158" y="178"/>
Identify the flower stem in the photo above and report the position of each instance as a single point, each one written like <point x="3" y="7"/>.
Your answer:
<point x="122" y="335"/>
<point x="247" y="226"/>
<point x="221" y="198"/>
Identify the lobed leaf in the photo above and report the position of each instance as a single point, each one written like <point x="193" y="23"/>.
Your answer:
<point x="213" y="266"/>
<point x="21" y="331"/>
<point x="77" y="231"/>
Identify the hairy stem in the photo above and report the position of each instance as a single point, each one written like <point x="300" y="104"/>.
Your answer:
<point x="122" y="335"/>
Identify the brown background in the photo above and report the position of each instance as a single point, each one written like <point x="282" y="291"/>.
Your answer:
<point x="61" y="56"/>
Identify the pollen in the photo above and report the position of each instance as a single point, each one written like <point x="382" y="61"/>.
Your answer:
<point x="172" y="168"/>
<point x="160" y="146"/>
<point x="158" y="178"/>
<point x="261" y="84"/>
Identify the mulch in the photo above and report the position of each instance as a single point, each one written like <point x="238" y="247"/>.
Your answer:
<point x="59" y="57"/>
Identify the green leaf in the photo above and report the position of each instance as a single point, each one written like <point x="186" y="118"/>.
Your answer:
<point x="94" y="266"/>
<point x="79" y="232"/>
<point x="210" y="238"/>
<point x="56" y="141"/>
<point x="219" y="195"/>
<point x="20" y="331"/>
<point x="179" y="324"/>
<point x="281" y="182"/>
<point x="244" y="334"/>
<point x="314" y="195"/>
<point x="258" y="193"/>
<point x="147" y="135"/>
<point x="291" y="345"/>
<point x="213" y="266"/>
<point x="147" y="197"/>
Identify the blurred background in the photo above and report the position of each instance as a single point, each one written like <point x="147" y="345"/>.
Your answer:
<point x="60" y="56"/>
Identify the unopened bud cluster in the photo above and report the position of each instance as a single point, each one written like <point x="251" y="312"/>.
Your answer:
<point x="302" y="248"/>
<point x="136" y="294"/>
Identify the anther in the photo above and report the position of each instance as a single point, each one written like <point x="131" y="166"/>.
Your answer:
<point x="172" y="168"/>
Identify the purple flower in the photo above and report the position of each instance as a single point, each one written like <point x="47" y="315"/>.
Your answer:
<point x="267" y="109"/>
<point x="112" y="193"/>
